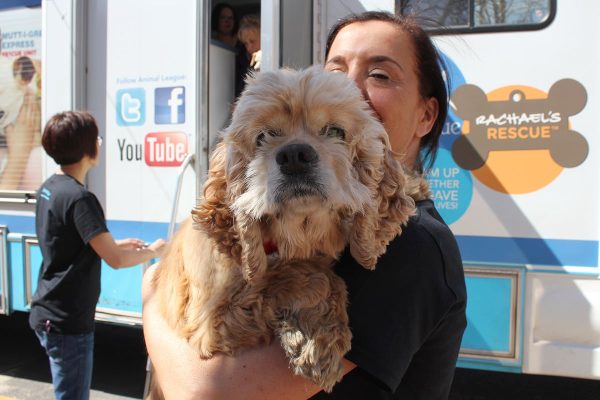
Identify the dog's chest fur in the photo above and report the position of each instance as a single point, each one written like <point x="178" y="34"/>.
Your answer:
<point x="304" y="235"/>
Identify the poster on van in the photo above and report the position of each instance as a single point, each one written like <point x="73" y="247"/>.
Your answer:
<point x="150" y="96"/>
<point x="20" y="99"/>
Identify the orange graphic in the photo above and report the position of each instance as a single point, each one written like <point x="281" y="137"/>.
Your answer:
<point x="521" y="171"/>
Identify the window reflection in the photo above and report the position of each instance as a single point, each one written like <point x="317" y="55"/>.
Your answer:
<point x="510" y="12"/>
<point x="456" y="13"/>
<point x="445" y="13"/>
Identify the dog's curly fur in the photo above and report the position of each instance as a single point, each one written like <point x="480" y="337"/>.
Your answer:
<point x="218" y="288"/>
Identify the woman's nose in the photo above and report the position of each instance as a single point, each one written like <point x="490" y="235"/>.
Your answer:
<point x="360" y="83"/>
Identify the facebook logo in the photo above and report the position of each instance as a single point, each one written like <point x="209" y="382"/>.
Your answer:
<point x="131" y="107"/>
<point x="169" y="105"/>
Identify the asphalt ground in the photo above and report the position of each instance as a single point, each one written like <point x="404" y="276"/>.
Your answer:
<point x="120" y="364"/>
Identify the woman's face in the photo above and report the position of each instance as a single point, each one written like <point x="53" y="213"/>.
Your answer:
<point x="226" y="21"/>
<point x="251" y="39"/>
<point x="379" y="57"/>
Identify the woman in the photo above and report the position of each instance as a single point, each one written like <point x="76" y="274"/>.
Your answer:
<point x="408" y="316"/>
<point x="224" y="24"/>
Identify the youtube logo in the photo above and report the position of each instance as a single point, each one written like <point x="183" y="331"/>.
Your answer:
<point x="165" y="149"/>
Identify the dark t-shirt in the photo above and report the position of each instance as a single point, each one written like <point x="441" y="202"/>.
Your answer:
<point x="68" y="216"/>
<point x="407" y="316"/>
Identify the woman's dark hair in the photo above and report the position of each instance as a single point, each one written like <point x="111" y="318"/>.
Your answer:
<point x="216" y="13"/>
<point x="429" y="72"/>
<point x="69" y="136"/>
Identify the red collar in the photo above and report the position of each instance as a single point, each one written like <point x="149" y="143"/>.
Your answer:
<point x="269" y="246"/>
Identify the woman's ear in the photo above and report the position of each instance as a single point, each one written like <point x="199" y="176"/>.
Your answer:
<point x="428" y="116"/>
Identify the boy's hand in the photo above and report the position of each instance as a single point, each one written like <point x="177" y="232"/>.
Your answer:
<point x="130" y="244"/>
<point x="157" y="246"/>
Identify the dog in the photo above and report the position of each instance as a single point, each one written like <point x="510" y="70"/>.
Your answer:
<point x="303" y="171"/>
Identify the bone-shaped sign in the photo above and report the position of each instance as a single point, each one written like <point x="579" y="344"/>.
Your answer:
<point x="519" y="123"/>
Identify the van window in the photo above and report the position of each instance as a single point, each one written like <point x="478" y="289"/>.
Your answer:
<point x="465" y="16"/>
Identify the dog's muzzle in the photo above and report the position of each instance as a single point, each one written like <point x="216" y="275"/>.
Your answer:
<point x="296" y="159"/>
<point x="298" y="163"/>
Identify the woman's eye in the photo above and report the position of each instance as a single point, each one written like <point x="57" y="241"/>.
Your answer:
<point x="333" y="131"/>
<point x="379" y="75"/>
<point x="262" y="136"/>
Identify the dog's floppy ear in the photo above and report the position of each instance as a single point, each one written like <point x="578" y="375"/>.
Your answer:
<point x="235" y="233"/>
<point x="390" y="207"/>
<point x="212" y="214"/>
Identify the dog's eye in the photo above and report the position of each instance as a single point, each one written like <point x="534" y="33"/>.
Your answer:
<point x="333" y="131"/>
<point x="262" y="136"/>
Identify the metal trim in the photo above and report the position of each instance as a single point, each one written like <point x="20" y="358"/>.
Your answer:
<point x="202" y="68"/>
<point x="27" y="242"/>
<point x="190" y="160"/>
<point x="270" y="34"/>
<point x="516" y="298"/>
<point x="4" y="295"/>
<point x="79" y="46"/>
<point x="119" y="317"/>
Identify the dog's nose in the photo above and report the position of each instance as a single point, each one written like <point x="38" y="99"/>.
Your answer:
<point x="296" y="158"/>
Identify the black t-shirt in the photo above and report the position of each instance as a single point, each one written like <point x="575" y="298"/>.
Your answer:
<point x="68" y="216"/>
<point x="407" y="316"/>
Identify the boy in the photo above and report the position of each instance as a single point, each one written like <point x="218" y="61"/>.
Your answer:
<point x="73" y="237"/>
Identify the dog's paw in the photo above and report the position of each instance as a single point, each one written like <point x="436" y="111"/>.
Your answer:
<point x="318" y="356"/>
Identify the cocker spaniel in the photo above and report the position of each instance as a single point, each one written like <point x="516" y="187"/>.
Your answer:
<point x="303" y="171"/>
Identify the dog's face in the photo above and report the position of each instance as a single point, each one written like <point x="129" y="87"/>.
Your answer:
<point x="295" y="135"/>
<point x="304" y="153"/>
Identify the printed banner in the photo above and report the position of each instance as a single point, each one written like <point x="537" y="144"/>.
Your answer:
<point x="149" y="106"/>
<point x="20" y="99"/>
<point x="509" y="157"/>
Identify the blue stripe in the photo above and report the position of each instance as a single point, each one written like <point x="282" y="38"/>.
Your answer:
<point x="147" y="231"/>
<point x="487" y="249"/>
<point x="19" y="3"/>
<point x="18" y="223"/>
<point x="552" y="252"/>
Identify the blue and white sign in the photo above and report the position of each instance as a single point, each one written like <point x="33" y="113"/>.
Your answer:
<point x="169" y="105"/>
<point x="131" y="107"/>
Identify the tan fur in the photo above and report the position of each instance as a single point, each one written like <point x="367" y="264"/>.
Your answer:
<point x="216" y="286"/>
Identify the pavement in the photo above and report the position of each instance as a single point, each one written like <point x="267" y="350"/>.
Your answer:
<point x="119" y="362"/>
<point x="120" y="370"/>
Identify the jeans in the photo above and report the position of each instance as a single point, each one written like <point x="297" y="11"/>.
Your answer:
<point x="71" y="361"/>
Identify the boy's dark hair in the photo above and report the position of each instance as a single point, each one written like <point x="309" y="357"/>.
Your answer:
<point x="23" y="66"/>
<point x="430" y="71"/>
<point x="70" y="135"/>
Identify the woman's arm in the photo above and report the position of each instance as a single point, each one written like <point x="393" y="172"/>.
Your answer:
<point x="260" y="373"/>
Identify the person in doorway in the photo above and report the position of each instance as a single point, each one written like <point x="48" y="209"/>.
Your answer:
<point x="249" y="35"/>
<point x="224" y="24"/>
<point x="73" y="238"/>
<point x="408" y="315"/>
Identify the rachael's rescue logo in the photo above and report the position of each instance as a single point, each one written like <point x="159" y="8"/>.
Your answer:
<point x="517" y="139"/>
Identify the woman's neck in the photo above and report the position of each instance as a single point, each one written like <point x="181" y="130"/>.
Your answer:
<point x="231" y="40"/>
<point x="77" y="170"/>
